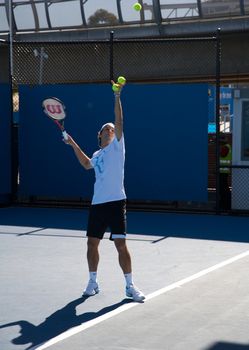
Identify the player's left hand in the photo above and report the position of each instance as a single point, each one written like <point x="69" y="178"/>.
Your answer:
<point x="120" y="87"/>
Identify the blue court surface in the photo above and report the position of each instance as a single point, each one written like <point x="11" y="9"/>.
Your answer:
<point x="193" y="269"/>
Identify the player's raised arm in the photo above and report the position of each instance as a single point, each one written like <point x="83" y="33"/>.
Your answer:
<point x="118" y="117"/>
<point x="81" y="156"/>
<point x="118" y="111"/>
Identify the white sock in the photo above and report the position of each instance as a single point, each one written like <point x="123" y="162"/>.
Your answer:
<point x="93" y="276"/>
<point x="128" y="278"/>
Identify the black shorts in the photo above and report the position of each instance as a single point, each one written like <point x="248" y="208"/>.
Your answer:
<point x="110" y="215"/>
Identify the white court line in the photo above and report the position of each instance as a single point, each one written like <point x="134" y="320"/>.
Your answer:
<point x="91" y="323"/>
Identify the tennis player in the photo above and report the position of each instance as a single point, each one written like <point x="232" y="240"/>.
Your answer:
<point x="108" y="207"/>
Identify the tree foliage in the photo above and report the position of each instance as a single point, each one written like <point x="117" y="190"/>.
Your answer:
<point x="102" y="16"/>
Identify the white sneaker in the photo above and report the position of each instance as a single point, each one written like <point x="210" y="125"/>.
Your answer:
<point x="91" y="289"/>
<point x="134" y="293"/>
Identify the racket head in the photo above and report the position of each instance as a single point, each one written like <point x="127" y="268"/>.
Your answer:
<point x="54" y="108"/>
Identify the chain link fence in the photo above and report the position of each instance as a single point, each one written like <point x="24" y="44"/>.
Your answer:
<point x="240" y="188"/>
<point x="60" y="63"/>
<point x="166" y="60"/>
<point x="91" y="62"/>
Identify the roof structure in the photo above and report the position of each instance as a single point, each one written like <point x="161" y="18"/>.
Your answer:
<point x="157" y="17"/>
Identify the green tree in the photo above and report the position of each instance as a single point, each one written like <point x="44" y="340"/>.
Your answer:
<point x="102" y="16"/>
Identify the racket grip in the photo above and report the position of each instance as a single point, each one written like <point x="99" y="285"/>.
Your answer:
<point x="64" y="133"/>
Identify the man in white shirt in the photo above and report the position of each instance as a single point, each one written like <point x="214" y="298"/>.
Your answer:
<point x="108" y="207"/>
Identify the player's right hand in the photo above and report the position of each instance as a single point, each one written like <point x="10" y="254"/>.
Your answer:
<point x="69" y="140"/>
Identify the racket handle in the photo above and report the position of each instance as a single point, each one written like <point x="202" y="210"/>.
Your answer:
<point x="64" y="133"/>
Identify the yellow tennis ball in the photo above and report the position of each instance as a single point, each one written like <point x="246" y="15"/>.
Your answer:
<point x="121" y="80"/>
<point x="115" y="87"/>
<point x="137" y="6"/>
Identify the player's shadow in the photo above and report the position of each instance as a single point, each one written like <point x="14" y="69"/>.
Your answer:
<point x="228" y="346"/>
<point x="57" y="323"/>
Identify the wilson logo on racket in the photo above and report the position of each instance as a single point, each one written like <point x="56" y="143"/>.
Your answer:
<point x="55" y="109"/>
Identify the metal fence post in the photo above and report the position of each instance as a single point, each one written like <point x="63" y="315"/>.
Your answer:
<point x="217" y="98"/>
<point x="111" y="54"/>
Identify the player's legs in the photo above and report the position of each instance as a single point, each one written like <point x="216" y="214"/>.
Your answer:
<point x="123" y="255"/>
<point x="111" y="214"/>
<point x="92" y="287"/>
<point x="125" y="263"/>
<point x="93" y="253"/>
<point x="95" y="231"/>
<point x="118" y="235"/>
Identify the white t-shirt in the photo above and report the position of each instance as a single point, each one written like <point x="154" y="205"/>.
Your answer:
<point x="108" y="164"/>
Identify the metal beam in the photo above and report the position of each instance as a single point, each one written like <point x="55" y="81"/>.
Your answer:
<point x="46" y="4"/>
<point x="242" y="7"/>
<point x="10" y="15"/>
<point x="120" y="15"/>
<point x="35" y="14"/>
<point x="199" y="8"/>
<point x="158" y="15"/>
<point x="82" y="2"/>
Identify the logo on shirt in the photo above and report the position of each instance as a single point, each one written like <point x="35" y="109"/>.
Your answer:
<point x="99" y="163"/>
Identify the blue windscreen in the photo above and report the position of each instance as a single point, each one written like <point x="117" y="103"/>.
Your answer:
<point x="168" y="149"/>
<point x="5" y="141"/>
<point x="165" y="129"/>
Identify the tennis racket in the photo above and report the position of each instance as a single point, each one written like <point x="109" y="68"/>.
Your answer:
<point x="55" y="110"/>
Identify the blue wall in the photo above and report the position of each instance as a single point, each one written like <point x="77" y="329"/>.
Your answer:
<point x="5" y="141"/>
<point x="165" y="133"/>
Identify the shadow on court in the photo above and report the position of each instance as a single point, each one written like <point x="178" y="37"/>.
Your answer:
<point x="228" y="346"/>
<point x="57" y="323"/>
